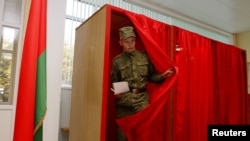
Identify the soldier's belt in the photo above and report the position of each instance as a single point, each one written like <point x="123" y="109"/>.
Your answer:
<point x="136" y="91"/>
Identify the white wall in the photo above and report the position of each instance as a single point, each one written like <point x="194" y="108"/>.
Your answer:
<point x="65" y="113"/>
<point x="242" y="41"/>
<point x="55" y="42"/>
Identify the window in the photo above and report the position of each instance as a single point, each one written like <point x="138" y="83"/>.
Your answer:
<point x="9" y="34"/>
<point x="77" y="11"/>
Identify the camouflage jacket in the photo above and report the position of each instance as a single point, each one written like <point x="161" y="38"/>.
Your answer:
<point x="135" y="68"/>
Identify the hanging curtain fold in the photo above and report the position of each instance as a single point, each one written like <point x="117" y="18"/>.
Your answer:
<point x="193" y="100"/>
<point x="231" y="80"/>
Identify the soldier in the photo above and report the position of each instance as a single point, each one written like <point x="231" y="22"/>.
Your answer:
<point x="133" y="66"/>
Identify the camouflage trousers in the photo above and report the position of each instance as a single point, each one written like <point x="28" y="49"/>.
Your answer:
<point x="129" y="104"/>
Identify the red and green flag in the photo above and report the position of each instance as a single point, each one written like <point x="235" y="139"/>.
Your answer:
<point x="31" y="99"/>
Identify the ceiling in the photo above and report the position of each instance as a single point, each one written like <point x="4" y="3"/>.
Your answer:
<point x="231" y="16"/>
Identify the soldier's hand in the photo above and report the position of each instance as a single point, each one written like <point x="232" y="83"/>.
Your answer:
<point x="168" y="73"/>
<point x="116" y="95"/>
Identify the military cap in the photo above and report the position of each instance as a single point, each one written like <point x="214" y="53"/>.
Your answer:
<point x="127" y="31"/>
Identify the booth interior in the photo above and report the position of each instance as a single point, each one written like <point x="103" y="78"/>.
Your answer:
<point x="118" y="19"/>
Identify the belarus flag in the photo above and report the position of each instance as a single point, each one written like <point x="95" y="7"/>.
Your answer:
<point x="31" y="100"/>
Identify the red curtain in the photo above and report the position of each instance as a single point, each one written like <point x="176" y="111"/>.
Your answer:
<point x="193" y="100"/>
<point x="211" y="86"/>
<point x="231" y="81"/>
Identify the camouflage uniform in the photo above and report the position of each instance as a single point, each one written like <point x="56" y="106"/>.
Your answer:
<point x="136" y="69"/>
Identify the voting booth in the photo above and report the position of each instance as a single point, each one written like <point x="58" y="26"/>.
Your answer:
<point x="92" y="115"/>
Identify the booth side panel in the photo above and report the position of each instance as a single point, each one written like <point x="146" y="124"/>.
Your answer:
<point x="86" y="101"/>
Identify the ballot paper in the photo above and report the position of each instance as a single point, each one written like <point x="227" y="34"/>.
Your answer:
<point x="120" y="87"/>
